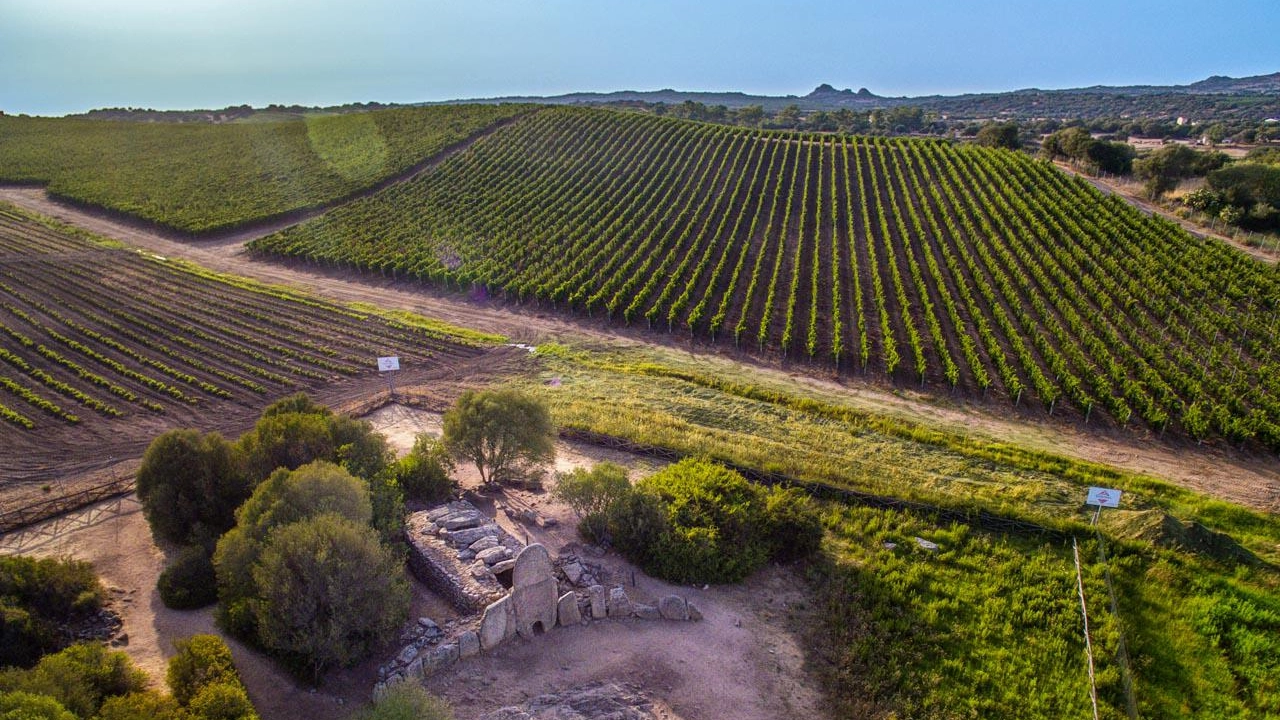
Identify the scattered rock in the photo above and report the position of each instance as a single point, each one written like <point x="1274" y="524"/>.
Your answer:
<point x="926" y="544"/>
<point x="407" y="655"/>
<point x="673" y="607"/>
<point x="439" y="658"/>
<point x="694" y="613"/>
<point x="889" y="545"/>
<point x="573" y="571"/>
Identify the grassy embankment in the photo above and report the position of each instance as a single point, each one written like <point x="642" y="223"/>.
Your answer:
<point x="988" y="625"/>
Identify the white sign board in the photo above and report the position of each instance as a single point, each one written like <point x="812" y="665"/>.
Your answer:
<point x="1103" y="497"/>
<point x="388" y="363"/>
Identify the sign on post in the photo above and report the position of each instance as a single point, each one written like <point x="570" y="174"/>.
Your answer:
<point x="1103" y="497"/>
<point x="389" y="365"/>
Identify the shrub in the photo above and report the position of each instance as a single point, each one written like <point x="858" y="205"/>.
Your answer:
<point x="190" y="486"/>
<point x="638" y="526"/>
<point x="221" y="701"/>
<point x="141" y="706"/>
<point x="30" y="706"/>
<point x="423" y="474"/>
<point x="53" y="588"/>
<point x="201" y="660"/>
<point x="36" y="595"/>
<point x="504" y="433"/>
<point x="406" y="701"/>
<point x="296" y="431"/>
<point x="794" y="525"/>
<point x="190" y="582"/>
<point x="328" y="592"/>
<point x="591" y="493"/>
<point x="79" y="677"/>
<point x="699" y="522"/>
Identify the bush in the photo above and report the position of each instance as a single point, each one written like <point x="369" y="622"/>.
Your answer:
<point x="328" y="592"/>
<point x="296" y="431"/>
<point x="141" y="706"/>
<point x="29" y="706"/>
<point x="36" y="595"/>
<point x="190" y="486"/>
<point x="591" y="493"/>
<point x="504" y="433"/>
<point x="190" y="582"/>
<point x="699" y="522"/>
<point x="201" y="660"/>
<point x="53" y="588"/>
<point x="79" y="677"/>
<point x="406" y="701"/>
<point x="423" y="474"/>
<point x="794" y="526"/>
<point x="222" y="701"/>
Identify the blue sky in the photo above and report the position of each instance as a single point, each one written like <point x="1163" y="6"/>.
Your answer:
<point x="61" y="56"/>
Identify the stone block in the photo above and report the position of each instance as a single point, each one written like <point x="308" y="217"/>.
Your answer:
<point x="598" y="596"/>
<point x="461" y="521"/>
<point x="694" y="613"/>
<point x="646" y="612"/>
<point x="673" y="607"/>
<point x="618" y="605"/>
<point x="484" y="543"/>
<point x="439" y="658"/>
<point x="468" y="644"/>
<point x="503" y="566"/>
<point x="463" y="538"/>
<point x="567" y="610"/>
<point x="533" y="592"/>
<point x="497" y="624"/>
<point x="494" y="555"/>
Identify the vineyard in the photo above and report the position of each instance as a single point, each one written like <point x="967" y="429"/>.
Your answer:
<point x="91" y="333"/>
<point x="955" y="267"/>
<point x="198" y="177"/>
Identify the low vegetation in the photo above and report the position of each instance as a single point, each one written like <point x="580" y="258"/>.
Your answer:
<point x="692" y="522"/>
<point x="38" y="597"/>
<point x="42" y="680"/>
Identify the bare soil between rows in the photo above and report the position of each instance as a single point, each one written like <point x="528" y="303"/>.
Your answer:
<point x="1218" y="470"/>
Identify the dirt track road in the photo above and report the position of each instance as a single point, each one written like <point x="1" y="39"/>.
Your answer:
<point x="1224" y="473"/>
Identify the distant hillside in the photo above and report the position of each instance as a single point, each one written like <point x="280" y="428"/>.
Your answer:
<point x="1217" y="97"/>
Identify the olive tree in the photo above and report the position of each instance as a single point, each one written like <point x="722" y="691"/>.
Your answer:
<point x="190" y="485"/>
<point x="504" y="433"/>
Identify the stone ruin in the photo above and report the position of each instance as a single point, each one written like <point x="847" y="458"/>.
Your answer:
<point x="503" y="589"/>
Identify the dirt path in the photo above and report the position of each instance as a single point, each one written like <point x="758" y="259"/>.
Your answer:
<point x="1150" y="208"/>
<point x="1250" y="480"/>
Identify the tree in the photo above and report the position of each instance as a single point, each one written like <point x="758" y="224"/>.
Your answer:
<point x="190" y="486"/>
<point x="1003" y="135"/>
<point x="504" y="433"/>
<point x="20" y="705"/>
<point x="591" y="493"/>
<point x="295" y="431"/>
<point x="329" y="592"/>
<point x="285" y="497"/>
